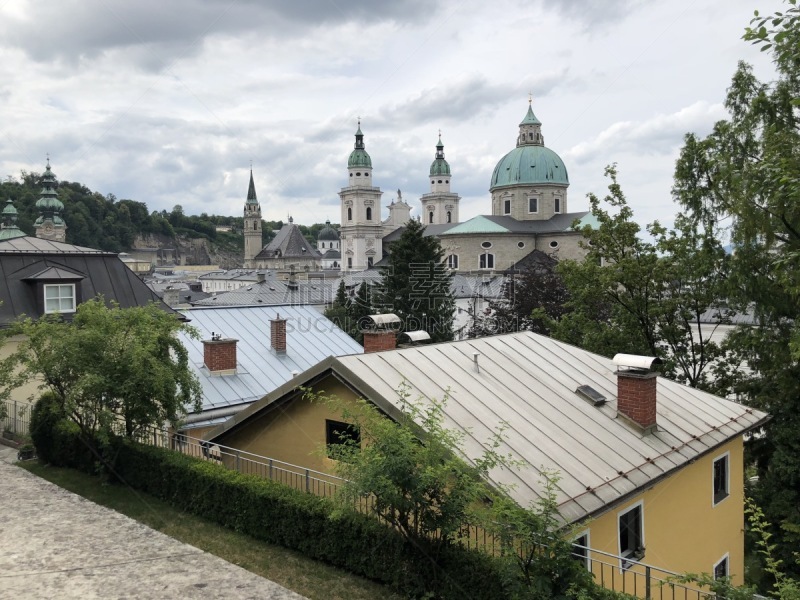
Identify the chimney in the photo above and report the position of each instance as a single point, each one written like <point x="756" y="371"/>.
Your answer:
<point x="219" y="355"/>
<point x="277" y="334"/>
<point x="379" y="333"/>
<point x="171" y="296"/>
<point x="636" y="390"/>
<point x="261" y="277"/>
<point x="379" y="340"/>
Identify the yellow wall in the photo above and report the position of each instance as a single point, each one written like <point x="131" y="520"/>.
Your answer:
<point x="683" y="532"/>
<point x="29" y="391"/>
<point x="295" y="432"/>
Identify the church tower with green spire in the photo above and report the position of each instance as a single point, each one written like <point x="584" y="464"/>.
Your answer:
<point x="440" y="205"/>
<point x="8" y="223"/>
<point x="50" y="225"/>
<point x="252" y="225"/>
<point x="361" y="229"/>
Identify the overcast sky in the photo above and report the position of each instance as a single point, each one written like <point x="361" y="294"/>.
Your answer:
<point x="169" y="102"/>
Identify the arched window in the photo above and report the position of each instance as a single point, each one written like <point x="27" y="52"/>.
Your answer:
<point x="349" y="214"/>
<point x="557" y="205"/>
<point x="452" y="261"/>
<point x="486" y="261"/>
<point x="430" y="217"/>
<point x="369" y="213"/>
<point x="449" y="217"/>
<point x="369" y="262"/>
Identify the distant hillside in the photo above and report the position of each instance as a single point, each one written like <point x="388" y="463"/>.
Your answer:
<point x="106" y="223"/>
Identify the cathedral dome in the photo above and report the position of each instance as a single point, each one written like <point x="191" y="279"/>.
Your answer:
<point x="328" y="233"/>
<point x="529" y="165"/>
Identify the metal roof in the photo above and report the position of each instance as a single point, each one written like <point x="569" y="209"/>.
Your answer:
<point x="494" y="224"/>
<point x="528" y="382"/>
<point x="33" y="245"/>
<point x="310" y="337"/>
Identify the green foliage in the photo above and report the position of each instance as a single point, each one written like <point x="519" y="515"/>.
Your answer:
<point x="110" y="365"/>
<point x="416" y="284"/>
<point x="746" y="172"/>
<point x="645" y="296"/>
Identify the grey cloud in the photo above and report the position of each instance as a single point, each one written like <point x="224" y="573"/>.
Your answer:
<point x="72" y="30"/>
<point x="593" y="12"/>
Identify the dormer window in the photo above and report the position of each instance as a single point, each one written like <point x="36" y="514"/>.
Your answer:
<point x="59" y="298"/>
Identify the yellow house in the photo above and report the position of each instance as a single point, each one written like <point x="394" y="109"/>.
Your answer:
<point x="651" y="471"/>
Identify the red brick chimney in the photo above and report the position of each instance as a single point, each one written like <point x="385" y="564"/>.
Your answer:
<point x="379" y="340"/>
<point x="219" y="355"/>
<point x="277" y="334"/>
<point x="636" y="390"/>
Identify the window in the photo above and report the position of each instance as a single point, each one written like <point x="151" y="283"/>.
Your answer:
<point x="369" y="213"/>
<point x="369" y="261"/>
<point x="506" y="207"/>
<point x="486" y="244"/>
<point x="487" y="261"/>
<point x="449" y="217"/>
<point x="520" y="245"/>
<point x="557" y="205"/>
<point x="349" y="214"/>
<point x="721" y="474"/>
<point x="59" y="298"/>
<point x="580" y="549"/>
<point x="349" y="262"/>
<point x="439" y="181"/>
<point x="533" y="204"/>
<point x="721" y="568"/>
<point x="358" y="174"/>
<point x="430" y="217"/>
<point x="452" y="261"/>
<point x="631" y="535"/>
<point x="554" y="244"/>
<point x="340" y="434"/>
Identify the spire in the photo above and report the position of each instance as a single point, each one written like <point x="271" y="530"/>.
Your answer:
<point x="359" y="137"/>
<point x="359" y="157"/>
<point x="50" y="207"/>
<point x="530" y="129"/>
<point x="439" y="166"/>
<point x="251" y="191"/>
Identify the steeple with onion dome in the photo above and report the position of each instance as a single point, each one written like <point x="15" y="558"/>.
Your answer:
<point x="440" y="206"/>
<point x="8" y="222"/>
<point x="50" y="225"/>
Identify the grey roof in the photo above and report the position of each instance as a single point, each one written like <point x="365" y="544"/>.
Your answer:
<point x="310" y="337"/>
<point x="332" y="254"/>
<point x="727" y="316"/>
<point x="28" y="260"/>
<point x="536" y="260"/>
<point x="429" y="230"/>
<point x="275" y="292"/>
<point x="528" y="382"/>
<point x="289" y="242"/>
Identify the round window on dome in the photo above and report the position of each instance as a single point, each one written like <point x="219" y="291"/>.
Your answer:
<point x="554" y="244"/>
<point x="358" y="174"/>
<point x="366" y="174"/>
<point x="486" y="244"/>
<point x="440" y="181"/>
<point x="447" y="181"/>
<point x="520" y="244"/>
<point x="432" y="181"/>
<point x="351" y="174"/>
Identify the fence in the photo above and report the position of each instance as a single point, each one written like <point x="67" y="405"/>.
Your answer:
<point x="610" y="571"/>
<point x="17" y="419"/>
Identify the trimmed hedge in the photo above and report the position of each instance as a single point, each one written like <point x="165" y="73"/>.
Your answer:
<point x="277" y="514"/>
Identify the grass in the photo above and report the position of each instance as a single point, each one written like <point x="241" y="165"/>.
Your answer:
<point x="290" y="569"/>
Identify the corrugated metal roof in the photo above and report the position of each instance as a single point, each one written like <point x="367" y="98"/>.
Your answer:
<point x="33" y="245"/>
<point x="310" y="337"/>
<point x="504" y="224"/>
<point x="528" y="382"/>
<point x="479" y="224"/>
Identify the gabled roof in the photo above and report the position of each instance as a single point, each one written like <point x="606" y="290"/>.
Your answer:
<point x="275" y="292"/>
<point x="536" y="260"/>
<point x="310" y="338"/>
<point x="289" y="242"/>
<point x="26" y="260"/>
<point x="528" y="382"/>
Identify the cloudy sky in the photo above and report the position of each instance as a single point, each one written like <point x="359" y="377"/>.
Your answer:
<point x="169" y="102"/>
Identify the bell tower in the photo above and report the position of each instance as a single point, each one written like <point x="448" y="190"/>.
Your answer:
<point x="50" y="225"/>
<point x="440" y="205"/>
<point x="252" y="224"/>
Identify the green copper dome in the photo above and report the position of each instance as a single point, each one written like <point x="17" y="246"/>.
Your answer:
<point x="48" y="201"/>
<point x="9" y="210"/>
<point x="359" y="156"/>
<point x="439" y="166"/>
<point x="529" y="165"/>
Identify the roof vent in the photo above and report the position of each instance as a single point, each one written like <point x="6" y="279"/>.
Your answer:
<point x="591" y="395"/>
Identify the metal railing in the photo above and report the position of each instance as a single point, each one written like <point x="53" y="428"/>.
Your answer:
<point x="17" y="419"/>
<point x="610" y="571"/>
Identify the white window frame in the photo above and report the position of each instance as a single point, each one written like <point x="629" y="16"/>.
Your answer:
<point x="620" y="514"/>
<point x="486" y="261"/>
<point x="727" y="457"/>
<point x="588" y="535"/>
<point x="726" y="558"/>
<point x="47" y="286"/>
<point x="452" y="258"/>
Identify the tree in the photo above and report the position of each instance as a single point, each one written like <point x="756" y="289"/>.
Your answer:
<point x="110" y="366"/>
<point x="747" y="173"/>
<point x="416" y="284"/>
<point x="645" y="296"/>
<point x="537" y="287"/>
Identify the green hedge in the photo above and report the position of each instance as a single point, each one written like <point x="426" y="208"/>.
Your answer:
<point x="277" y="514"/>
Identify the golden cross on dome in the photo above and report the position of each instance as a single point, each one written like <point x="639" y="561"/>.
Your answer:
<point x="530" y="97"/>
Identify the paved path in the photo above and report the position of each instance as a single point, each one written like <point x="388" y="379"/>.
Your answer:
<point x="55" y="544"/>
